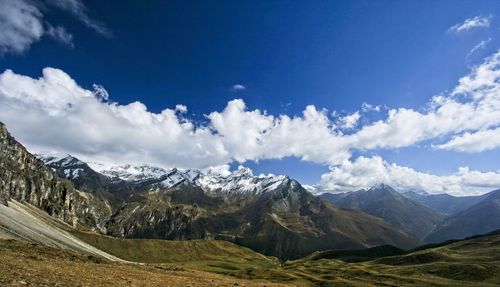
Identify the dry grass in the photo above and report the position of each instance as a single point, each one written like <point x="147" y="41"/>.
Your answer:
<point x="473" y="262"/>
<point x="24" y="264"/>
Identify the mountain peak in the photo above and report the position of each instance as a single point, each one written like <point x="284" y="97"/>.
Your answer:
<point x="243" y="171"/>
<point x="379" y="186"/>
<point x="130" y="172"/>
<point x="59" y="159"/>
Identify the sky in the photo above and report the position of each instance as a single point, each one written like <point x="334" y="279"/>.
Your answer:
<point x="340" y="95"/>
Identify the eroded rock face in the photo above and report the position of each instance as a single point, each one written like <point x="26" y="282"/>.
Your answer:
<point x="25" y="178"/>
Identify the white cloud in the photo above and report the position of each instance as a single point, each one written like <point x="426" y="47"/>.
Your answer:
<point x="53" y="112"/>
<point x="60" y="34"/>
<point x="474" y="142"/>
<point x="471" y="23"/>
<point x="100" y="92"/>
<point x="254" y="135"/>
<point x="480" y="46"/>
<point x="365" y="172"/>
<point x="366" y="107"/>
<point x="238" y="88"/>
<point x="349" y="121"/>
<point x="181" y="109"/>
<point x="473" y="105"/>
<point x="20" y="25"/>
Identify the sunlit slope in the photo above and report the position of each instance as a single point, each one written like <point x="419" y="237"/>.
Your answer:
<point x="25" y="264"/>
<point x="471" y="262"/>
<point x="213" y="255"/>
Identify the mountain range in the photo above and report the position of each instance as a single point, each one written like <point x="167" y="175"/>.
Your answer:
<point x="273" y="215"/>
<point x="385" y="202"/>
<point x="270" y="214"/>
<point x="430" y="217"/>
<point x="152" y="215"/>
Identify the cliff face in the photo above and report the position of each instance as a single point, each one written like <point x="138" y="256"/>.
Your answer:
<point x="25" y="178"/>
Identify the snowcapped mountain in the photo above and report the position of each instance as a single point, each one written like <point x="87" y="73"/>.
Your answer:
<point x="131" y="172"/>
<point x="241" y="181"/>
<point x="70" y="166"/>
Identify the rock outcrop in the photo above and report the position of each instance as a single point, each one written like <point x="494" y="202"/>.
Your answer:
<point x="25" y="178"/>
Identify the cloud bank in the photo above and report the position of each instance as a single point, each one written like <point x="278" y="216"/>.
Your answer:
<point x="364" y="172"/>
<point x="54" y="112"/>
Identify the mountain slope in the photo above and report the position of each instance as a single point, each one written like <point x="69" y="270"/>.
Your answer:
<point x="444" y="203"/>
<point x="25" y="178"/>
<point x="27" y="223"/>
<point x="482" y="217"/>
<point x="384" y="202"/>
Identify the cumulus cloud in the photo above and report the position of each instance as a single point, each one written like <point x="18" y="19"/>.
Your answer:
<point x="253" y="135"/>
<point x="54" y="112"/>
<point x="349" y="121"/>
<point x="238" y="87"/>
<point x="22" y="24"/>
<point x="181" y="109"/>
<point x="368" y="171"/>
<point x="473" y="105"/>
<point x="474" y="142"/>
<point x="471" y="23"/>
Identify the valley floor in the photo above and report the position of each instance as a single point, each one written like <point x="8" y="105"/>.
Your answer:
<point x="473" y="262"/>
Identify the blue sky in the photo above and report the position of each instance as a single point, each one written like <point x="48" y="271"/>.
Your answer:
<point x="334" y="55"/>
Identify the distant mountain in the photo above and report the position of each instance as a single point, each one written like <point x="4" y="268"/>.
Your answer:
<point x="385" y="202"/>
<point x="480" y="218"/>
<point x="444" y="203"/>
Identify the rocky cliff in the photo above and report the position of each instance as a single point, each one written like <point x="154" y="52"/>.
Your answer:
<point x="25" y="178"/>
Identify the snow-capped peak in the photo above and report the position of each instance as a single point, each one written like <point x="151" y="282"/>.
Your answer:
<point x="177" y="176"/>
<point x="70" y="167"/>
<point x="380" y="186"/>
<point x="59" y="159"/>
<point x="243" y="171"/>
<point x="131" y="172"/>
<point x="240" y="181"/>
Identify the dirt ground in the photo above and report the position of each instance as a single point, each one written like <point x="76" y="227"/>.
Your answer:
<point x="24" y="264"/>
